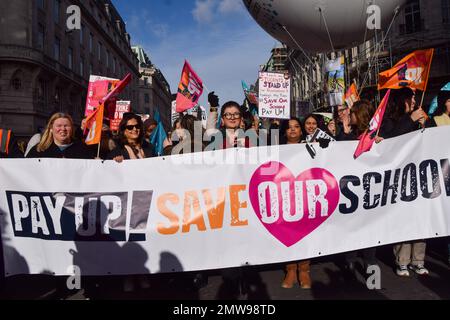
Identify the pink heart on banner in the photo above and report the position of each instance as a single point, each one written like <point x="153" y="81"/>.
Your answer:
<point x="290" y="207"/>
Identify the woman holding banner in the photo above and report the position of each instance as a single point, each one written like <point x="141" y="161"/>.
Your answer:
<point x="292" y="134"/>
<point x="403" y="117"/>
<point x="360" y="116"/>
<point x="132" y="145"/>
<point x="58" y="141"/>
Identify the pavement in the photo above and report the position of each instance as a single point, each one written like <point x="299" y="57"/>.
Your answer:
<point x="262" y="283"/>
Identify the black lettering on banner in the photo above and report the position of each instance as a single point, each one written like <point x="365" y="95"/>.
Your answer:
<point x="366" y="185"/>
<point x="350" y="195"/>
<point x="436" y="192"/>
<point x="445" y="166"/>
<point x="390" y="187"/>
<point x="75" y="216"/>
<point x="411" y="172"/>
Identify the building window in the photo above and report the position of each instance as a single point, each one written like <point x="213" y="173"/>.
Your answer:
<point x="42" y="91"/>
<point x="82" y="66"/>
<point x="145" y="81"/>
<point x="41" y="37"/>
<point x="58" y="98"/>
<point x="40" y="4"/>
<point x="146" y="98"/>
<point x="16" y="83"/>
<point x="91" y="42"/>
<point x="445" y="11"/>
<point x="56" y="10"/>
<point x="57" y="49"/>
<point x="107" y="58"/>
<point x="91" y="69"/>
<point x="114" y="65"/>
<point x="99" y="47"/>
<point x="70" y="58"/>
<point x="413" y="22"/>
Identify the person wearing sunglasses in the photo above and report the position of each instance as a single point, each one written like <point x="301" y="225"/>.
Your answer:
<point x="132" y="145"/>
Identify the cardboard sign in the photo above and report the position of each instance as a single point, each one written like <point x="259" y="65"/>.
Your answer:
<point x="274" y="95"/>
<point x="122" y="107"/>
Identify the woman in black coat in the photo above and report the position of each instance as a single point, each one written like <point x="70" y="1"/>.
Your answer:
<point x="131" y="140"/>
<point x="58" y="141"/>
<point x="403" y="117"/>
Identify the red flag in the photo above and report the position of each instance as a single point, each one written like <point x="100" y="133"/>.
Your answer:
<point x="98" y="88"/>
<point x="94" y="124"/>
<point x="118" y="88"/>
<point x="189" y="90"/>
<point x="412" y="71"/>
<point x="367" y="138"/>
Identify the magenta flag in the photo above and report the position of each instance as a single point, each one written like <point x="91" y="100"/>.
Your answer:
<point x="368" y="138"/>
<point x="189" y="90"/>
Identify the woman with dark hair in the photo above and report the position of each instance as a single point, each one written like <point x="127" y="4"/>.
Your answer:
<point x="291" y="131"/>
<point x="310" y="125"/>
<point x="292" y="134"/>
<point x="131" y="140"/>
<point x="361" y="114"/>
<point x="58" y="141"/>
<point x="403" y="117"/>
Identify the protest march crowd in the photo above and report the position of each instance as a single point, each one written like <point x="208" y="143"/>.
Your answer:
<point x="233" y="126"/>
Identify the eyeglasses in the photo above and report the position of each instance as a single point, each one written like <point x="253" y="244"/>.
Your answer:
<point x="230" y="116"/>
<point x="131" y="127"/>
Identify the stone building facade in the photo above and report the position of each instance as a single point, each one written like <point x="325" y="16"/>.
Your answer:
<point x="45" y="67"/>
<point x="153" y="90"/>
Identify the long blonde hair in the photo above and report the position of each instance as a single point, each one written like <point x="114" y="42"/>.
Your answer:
<point x="47" y="136"/>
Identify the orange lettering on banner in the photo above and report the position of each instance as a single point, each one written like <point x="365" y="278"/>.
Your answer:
<point x="173" y="218"/>
<point x="191" y="200"/>
<point x="215" y="212"/>
<point x="236" y="205"/>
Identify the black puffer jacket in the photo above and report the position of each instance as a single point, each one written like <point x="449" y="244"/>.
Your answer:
<point x="78" y="150"/>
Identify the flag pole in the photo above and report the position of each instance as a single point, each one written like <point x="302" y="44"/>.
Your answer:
<point x="98" y="149"/>
<point x="427" y="78"/>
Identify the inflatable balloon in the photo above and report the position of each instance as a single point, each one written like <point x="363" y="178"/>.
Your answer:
<point x="307" y="21"/>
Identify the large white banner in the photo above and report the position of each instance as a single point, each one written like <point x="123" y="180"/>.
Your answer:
<point x="165" y="215"/>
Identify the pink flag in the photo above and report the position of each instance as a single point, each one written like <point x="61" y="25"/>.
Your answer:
<point x="189" y="90"/>
<point x="367" y="138"/>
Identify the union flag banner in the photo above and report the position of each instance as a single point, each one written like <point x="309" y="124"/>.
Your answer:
<point x="351" y="96"/>
<point x="368" y="138"/>
<point x="94" y="124"/>
<point x="189" y="90"/>
<point x="412" y="71"/>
